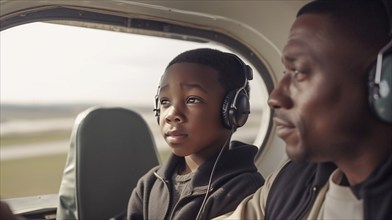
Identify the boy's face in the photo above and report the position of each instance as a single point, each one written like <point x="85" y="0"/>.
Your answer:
<point x="190" y="110"/>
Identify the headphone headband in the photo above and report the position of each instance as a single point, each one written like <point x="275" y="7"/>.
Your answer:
<point x="377" y="78"/>
<point x="242" y="88"/>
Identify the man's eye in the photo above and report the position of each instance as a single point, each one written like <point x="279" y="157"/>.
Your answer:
<point x="299" y="75"/>
<point x="296" y="74"/>
<point x="193" y="100"/>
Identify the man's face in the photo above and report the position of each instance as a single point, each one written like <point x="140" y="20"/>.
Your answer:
<point x="190" y="109"/>
<point x="320" y="103"/>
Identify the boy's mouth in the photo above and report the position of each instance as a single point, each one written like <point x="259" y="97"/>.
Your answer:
<point x="175" y="137"/>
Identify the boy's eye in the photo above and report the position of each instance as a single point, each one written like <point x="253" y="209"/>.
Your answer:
<point x="164" y="102"/>
<point x="193" y="100"/>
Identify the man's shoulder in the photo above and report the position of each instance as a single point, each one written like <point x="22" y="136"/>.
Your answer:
<point x="294" y="185"/>
<point x="294" y="172"/>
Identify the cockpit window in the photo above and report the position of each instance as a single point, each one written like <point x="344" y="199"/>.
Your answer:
<point x="51" y="72"/>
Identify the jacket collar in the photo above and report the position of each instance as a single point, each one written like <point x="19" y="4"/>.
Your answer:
<point x="378" y="182"/>
<point x="239" y="158"/>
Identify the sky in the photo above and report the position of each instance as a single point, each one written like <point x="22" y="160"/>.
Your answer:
<point x="49" y="63"/>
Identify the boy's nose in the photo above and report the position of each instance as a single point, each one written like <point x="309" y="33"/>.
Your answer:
<point x="280" y="95"/>
<point x="174" y="115"/>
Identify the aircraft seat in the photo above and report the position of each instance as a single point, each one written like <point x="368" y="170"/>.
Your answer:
<point x="111" y="148"/>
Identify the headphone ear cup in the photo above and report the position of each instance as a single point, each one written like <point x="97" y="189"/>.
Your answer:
<point x="226" y="108"/>
<point x="235" y="117"/>
<point x="380" y="96"/>
<point x="243" y="109"/>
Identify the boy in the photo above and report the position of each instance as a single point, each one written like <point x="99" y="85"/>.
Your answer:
<point x="201" y="100"/>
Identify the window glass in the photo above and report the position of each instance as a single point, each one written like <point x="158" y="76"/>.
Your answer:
<point x="51" y="72"/>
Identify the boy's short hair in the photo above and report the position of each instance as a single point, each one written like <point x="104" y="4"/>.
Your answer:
<point x="229" y="67"/>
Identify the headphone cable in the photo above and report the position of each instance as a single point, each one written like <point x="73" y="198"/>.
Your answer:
<point x="211" y="175"/>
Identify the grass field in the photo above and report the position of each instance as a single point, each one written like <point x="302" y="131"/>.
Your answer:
<point x="13" y="140"/>
<point x="31" y="176"/>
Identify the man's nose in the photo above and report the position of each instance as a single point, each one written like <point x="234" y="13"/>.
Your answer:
<point x="280" y="96"/>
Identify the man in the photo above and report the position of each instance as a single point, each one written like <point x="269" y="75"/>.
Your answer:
<point x="340" y="150"/>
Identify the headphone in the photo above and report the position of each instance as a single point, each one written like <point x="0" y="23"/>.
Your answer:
<point x="235" y="107"/>
<point x="157" y="107"/>
<point x="380" y="80"/>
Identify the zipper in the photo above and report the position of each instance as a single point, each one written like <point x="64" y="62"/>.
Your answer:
<point x="166" y="183"/>
<point x="195" y="193"/>
<point x="181" y="201"/>
<point x="314" y="190"/>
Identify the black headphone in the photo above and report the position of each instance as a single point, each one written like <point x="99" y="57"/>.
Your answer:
<point x="235" y="107"/>
<point x="380" y="80"/>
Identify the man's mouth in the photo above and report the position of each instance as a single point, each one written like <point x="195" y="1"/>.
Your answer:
<point x="284" y="127"/>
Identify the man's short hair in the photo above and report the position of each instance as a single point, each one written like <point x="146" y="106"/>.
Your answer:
<point x="366" y="21"/>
